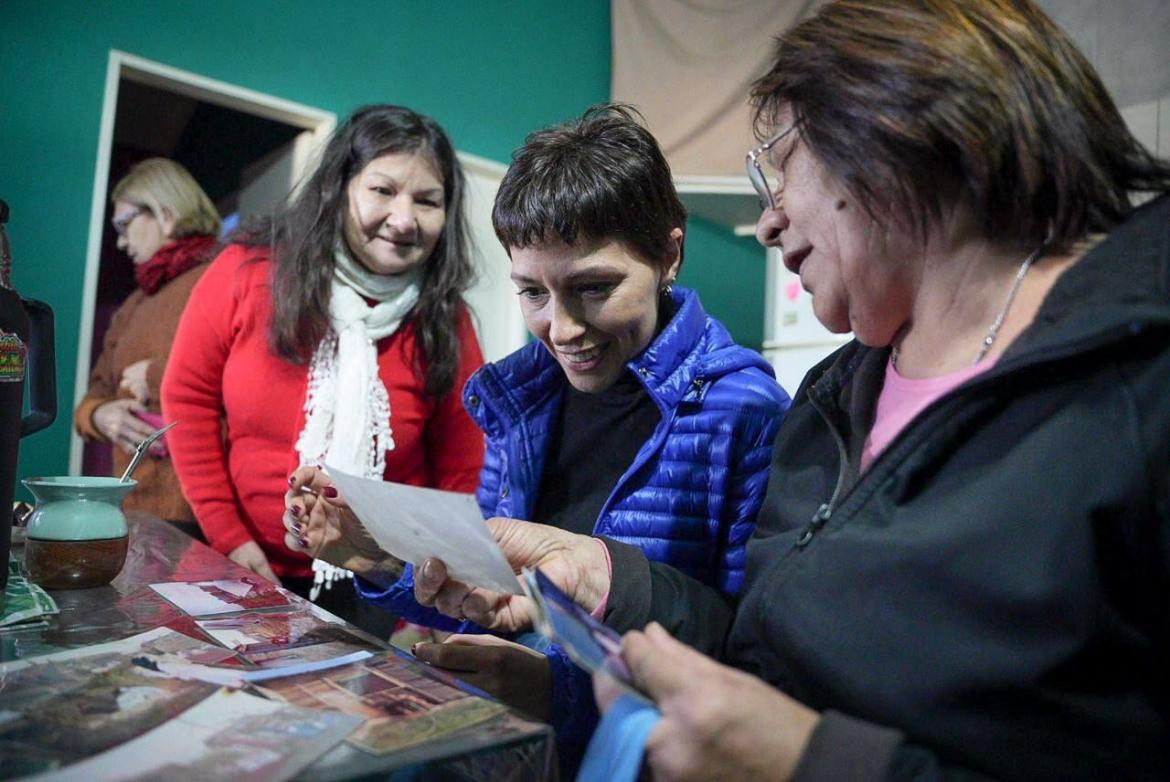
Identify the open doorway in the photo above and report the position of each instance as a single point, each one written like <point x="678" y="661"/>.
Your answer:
<point x="247" y="150"/>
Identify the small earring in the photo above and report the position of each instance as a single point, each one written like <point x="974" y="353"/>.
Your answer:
<point x="668" y="290"/>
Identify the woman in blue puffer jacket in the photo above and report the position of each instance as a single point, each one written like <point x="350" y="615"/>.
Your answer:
<point x="633" y="416"/>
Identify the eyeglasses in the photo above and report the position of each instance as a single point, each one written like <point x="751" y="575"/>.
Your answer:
<point x="755" y="172"/>
<point x="122" y="223"/>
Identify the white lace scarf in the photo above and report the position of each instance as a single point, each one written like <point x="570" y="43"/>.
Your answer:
<point x="339" y="429"/>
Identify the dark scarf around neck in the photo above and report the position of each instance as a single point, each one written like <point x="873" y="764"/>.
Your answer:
<point x="173" y="259"/>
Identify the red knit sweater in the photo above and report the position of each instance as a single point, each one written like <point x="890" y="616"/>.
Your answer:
<point x="240" y="409"/>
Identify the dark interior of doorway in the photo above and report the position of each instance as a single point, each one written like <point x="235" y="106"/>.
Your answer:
<point x="218" y="145"/>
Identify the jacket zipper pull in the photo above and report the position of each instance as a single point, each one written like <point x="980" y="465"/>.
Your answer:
<point x="818" y="520"/>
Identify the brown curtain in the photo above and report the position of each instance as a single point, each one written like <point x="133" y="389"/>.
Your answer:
<point x="687" y="65"/>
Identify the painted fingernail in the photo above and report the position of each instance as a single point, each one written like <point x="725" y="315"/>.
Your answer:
<point x="303" y="542"/>
<point x="329" y="492"/>
<point x="413" y="648"/>
<point x="298" y="527"/>
<point x="428" y="569"/>
<point x="296" y="510"/>
<point x="292" y="479"/>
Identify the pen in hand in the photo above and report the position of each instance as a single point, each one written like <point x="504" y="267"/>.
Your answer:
<point x="300" y="515"/>
<point x="327" y="492"/>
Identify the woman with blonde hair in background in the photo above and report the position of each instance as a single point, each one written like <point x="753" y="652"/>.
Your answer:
<point x="168" y="226"/>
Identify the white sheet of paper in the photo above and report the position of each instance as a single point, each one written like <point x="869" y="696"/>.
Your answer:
<point x="414" y="524"/>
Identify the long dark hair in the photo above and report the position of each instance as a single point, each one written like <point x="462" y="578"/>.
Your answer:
<point x="983" y="101"/>
<point x="303" y="231"/>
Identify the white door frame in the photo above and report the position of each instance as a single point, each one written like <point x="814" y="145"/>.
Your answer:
<point x="132" y="68"/>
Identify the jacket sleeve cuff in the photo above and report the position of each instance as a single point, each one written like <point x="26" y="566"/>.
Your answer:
<point x="630" y="590"/>
<point x="398" y="599"/>
<point x="847" y="749"/>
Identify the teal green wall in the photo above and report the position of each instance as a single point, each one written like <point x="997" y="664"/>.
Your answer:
<point x="729" y="272"/>
<point x="489" y="71"/>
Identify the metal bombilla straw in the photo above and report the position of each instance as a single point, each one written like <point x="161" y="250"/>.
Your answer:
<point x="140" y="451"/>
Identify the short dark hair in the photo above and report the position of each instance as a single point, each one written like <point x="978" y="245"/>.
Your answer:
<point x="599" y="177"/>
<point x="983" y="103"/>
<point x="304" y="231"/>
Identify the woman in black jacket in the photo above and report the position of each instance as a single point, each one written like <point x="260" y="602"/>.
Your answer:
<point x="962" y="566"/>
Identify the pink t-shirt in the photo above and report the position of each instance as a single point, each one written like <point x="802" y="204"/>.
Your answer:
<point x="903" y="398"/>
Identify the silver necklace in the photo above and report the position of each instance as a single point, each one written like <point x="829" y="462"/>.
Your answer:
<point x="993" y="332"/>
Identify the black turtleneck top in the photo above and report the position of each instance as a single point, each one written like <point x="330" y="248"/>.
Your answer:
<point x="593" y="442"/>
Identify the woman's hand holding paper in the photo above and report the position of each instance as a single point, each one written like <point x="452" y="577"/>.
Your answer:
<point x="577" y="564"/>
<point x="319" y="523"/>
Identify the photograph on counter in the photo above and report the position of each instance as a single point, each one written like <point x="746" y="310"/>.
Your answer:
<point x="225" y="596"/>
<point x="230" y="735"/>
<point x="402" y="706"/>
<point x="271" y="640"/>
<point x="64" y="707"/>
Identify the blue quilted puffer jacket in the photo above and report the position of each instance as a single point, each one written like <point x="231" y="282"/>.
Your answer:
<point x="690" y="497"/>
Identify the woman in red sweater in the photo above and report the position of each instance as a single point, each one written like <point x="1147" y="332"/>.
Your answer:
<point x="333" y="331"/>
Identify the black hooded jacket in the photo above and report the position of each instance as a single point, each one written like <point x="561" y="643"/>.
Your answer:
<point x="991" y="598"/>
